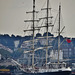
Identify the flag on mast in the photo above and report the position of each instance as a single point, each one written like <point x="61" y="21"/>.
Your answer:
<point x="68" y="40"/>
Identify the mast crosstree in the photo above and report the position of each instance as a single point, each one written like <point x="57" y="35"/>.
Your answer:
<point x="47" y="26"/>
<point x="34" y="28"/>
<point x="53" y="68"/>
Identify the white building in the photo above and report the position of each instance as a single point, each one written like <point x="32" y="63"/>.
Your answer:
<point x="54" y="54"/>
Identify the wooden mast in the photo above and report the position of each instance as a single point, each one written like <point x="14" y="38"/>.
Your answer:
<point x="33" y="29"/>
<point x="59" y="33"/>
<point x="47" y="26"/>
<point x="47" y="34"/>
<point x="33" y="33"/>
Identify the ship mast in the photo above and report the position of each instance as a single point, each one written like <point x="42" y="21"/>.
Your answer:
<point x="47" y="26"/>
<point x="33" y="29"/>
<point x="59" y="33"/>
<point x="47" y="33"/>
<point x="33" y="33"/>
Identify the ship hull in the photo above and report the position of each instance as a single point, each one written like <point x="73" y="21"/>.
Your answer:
<point x="5" y="73"/>
<point x="51" y="73"/>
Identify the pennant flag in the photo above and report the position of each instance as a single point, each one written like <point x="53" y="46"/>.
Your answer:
<point x="68" y="40"/>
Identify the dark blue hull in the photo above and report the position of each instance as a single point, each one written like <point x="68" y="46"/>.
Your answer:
<point x="51" y="73"/>
<point x="5" y="73"/>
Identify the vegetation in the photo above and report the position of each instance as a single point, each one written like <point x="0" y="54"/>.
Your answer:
<point x="5" y="53"/>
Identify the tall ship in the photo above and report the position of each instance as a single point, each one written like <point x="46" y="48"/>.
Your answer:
<point x="50" y="67"/>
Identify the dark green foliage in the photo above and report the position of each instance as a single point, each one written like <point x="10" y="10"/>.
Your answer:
<point x="5" y="53"/>
<point x="17" y="53"/>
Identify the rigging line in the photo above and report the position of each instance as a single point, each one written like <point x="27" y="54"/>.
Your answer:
<point x="63" y="25"/>
<point x="42" y="21"/>
<point x="44" y="4"/>
<point x="51" y="15"/>
<point x="30" y="24"/>
<point x="54" y="21"/>
<point x="60" y="43"/>
<point x="72" y="44"/>
<point x="37" y="26"/>
<point x="54" y="44"/>
<point x="25" y="32"/>
<point x="40" y="11"/>
<point x="62" y="19"/>
<point x="50" y="3"/>
<point x="52" y="8"/>
<point x="37" y="22"/>
<point x="45" y="21"/>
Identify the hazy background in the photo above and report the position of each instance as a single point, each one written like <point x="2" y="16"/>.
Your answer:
<point x="12" y="15"/>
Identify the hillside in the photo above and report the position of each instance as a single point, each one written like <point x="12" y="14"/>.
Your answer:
<point x="14" y="45"/>
<point x="5" y="53"/>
